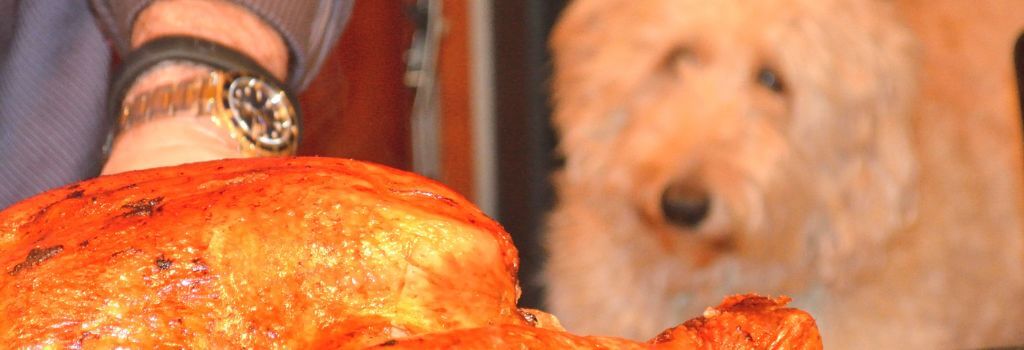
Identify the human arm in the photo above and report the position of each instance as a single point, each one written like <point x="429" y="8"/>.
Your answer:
<point x="288" y="39"/>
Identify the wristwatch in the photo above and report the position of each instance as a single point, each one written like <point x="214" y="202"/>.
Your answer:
<point x="256" y="110"/>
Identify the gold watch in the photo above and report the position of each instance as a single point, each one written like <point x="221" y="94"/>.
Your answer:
<point x="255" y="112"/>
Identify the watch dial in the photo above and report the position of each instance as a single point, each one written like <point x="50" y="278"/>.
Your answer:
<point x="262" y="113"/>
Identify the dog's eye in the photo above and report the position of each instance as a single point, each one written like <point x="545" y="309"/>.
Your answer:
<point x="769" y="78"/>
<point x="678" y="55"/>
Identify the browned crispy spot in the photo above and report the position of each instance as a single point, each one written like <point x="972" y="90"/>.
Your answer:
<point x="128" y="251"/>
<point x="529" y="317"/>
<point x="163" y="263"/>
<point x="35" y="257"/>
<point x="142" y="207"/>
<point x="664" y="337"/>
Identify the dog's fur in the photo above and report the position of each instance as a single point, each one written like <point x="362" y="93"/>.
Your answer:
<point x="849" y="186"/>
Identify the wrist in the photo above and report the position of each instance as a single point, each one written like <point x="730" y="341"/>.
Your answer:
<point x="186" y="135"/>
<point x="170" y="141"/>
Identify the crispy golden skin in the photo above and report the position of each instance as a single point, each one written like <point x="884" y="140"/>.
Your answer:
<point x="273" y="253"/>
<point x="740" y="322"/>
<point x="745" y="322"/>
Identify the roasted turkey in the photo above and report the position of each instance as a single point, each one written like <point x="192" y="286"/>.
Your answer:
<point x="295" y="253"/>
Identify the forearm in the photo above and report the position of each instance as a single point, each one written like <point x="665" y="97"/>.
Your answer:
<point x="219" y="21"/>
<point x="187" y="136"/>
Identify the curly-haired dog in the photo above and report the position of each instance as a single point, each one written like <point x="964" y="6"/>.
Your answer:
<point x="798" y="147"/>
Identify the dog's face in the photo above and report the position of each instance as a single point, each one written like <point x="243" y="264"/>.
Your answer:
<point x="717" y="147"/>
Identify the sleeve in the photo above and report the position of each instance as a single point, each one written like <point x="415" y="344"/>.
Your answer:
<point x="309" y="28"/>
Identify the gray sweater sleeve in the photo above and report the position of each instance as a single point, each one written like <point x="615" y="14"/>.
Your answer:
<point x="309" y="28"/>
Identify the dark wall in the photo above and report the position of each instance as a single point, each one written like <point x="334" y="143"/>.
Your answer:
<point x="524" y="136"/>
<point x="358" y="107"/>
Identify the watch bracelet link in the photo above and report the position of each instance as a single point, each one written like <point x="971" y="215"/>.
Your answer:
<point x="197" y="95"/>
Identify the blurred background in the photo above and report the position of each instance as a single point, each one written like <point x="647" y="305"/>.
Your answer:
<point x="446" y="89"/>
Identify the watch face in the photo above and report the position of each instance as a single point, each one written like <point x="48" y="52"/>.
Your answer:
<point x="263" y="114"/>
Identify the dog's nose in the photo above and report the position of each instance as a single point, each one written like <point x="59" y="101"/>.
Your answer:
<point x="685" y="205"/>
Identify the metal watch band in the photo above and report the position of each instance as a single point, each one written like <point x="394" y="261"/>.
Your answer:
<point x="196" y="96"/>
<point x="209" y="95"/>
<point x="179" y="48"/>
